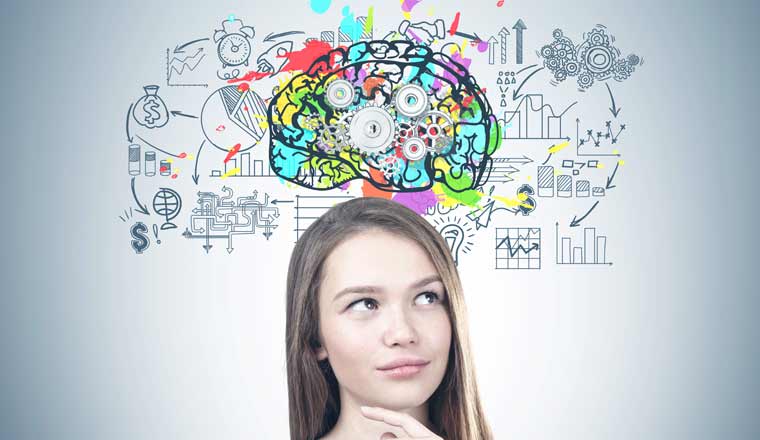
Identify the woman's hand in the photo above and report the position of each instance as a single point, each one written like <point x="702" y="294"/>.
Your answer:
<point x="412" y="428"/>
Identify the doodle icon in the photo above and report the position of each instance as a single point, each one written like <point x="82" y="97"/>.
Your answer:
<point x="150" y="110"/>
<point x="167" y="203"/>
<point x="233" y="43"/>
<point x="234" y="116"/>
<point x="140" y="234"/>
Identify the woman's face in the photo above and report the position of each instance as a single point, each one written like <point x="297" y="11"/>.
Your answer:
<point x="381" y="299"/>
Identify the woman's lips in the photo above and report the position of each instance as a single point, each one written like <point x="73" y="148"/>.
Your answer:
<point x="403" y="372"/>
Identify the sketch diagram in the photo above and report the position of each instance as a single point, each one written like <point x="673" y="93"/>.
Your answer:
<point x="518" y="248"/>
<point x="221" y="217"/>
<point x="595" y="59"/>
<point x="592" y="251"/>
<point x="347" y="108"/>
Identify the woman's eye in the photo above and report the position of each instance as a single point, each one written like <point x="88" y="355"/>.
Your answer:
<point x="431" y="296"/>
<point x="363" y="301"/>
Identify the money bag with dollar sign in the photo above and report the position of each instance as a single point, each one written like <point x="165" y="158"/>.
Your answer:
<point x="150" y="110"/>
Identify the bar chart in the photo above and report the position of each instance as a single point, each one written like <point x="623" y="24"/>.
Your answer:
<point x="551" y="184"/>
<point x="592" y="249"/>
<point x="241" y="167"/>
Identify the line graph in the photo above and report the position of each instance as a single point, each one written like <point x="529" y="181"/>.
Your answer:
<point x="178" y="66"/>
<point x="530" y="121"/>
<point x="518" y="248"/>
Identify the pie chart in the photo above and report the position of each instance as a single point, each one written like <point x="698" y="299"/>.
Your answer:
<point x="231" y="116"/>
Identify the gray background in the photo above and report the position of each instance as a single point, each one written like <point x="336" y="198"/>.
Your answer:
<point x="100" y="344"/>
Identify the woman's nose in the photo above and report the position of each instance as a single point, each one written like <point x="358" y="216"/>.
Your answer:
<point x="400" y="329"/>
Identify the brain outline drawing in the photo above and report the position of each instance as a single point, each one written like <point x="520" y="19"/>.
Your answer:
<point x="300" y="111"/>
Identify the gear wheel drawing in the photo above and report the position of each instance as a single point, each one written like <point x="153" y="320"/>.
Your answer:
<point x="436" y="129"/>
<point x="372" y="128"/>
<point x="334" y="137"/>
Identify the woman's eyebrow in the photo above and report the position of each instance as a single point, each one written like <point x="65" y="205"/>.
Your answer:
<point x="376" y="289"/>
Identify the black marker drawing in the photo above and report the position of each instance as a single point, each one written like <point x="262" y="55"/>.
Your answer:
<point x="150" y="110"/>
<point x="222" y="218"/>
<point x="592" y="252"/>
<point x="518" y="248"/>
<point x="141" y="240"/>
<point x="458" y="235"/>
<point x="595" y="59"/>
<point x="167" y="203"/>
<point x="233" y="47"/>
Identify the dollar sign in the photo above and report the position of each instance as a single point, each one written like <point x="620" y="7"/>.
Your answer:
<point x="139" y="232"/>
<point x="527" y="203"/>
<point x="151" y="111"/>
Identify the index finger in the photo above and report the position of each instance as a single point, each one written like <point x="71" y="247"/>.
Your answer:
<point x="409" y="424"/>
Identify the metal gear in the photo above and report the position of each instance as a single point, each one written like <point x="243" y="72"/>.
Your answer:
<point x="334" y="137"/>
<point x="436" y="129"/>
<point x="372" y="128"/>
<point x="411" y="100"/>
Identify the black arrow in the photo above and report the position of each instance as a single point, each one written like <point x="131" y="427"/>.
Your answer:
<point x="577" y="222"/>
<point x="155" y="147"/>
<point x="609" y="179"/>
<point x="129" y="113"/>
<point x="275" y="201"/>
<point x="519" y="27"/>
<point x="178" y="49"/>
<point x="140" y="208"/>
<point x="197" y="156"/>
<point x="614" y="110"/>
<point x="179" y="113"/>
<point x="272" y="37"/>
<point x="515" y="93"/>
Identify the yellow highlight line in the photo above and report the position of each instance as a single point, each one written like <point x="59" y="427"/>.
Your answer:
<point x="559" y="147"/>
<point x="231" y="172"/>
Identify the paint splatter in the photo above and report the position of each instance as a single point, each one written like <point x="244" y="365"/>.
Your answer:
<point x="418" y="202"/>
<point x="350" y="25"/>
<point x="454" y="24"/>
<point x="408" y="5"/>
<point x="233" y="151"/>
<point x="320" y="6"/>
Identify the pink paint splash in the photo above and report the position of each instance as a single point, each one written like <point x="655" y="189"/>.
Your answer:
<point x="418" y="202"/>
<point x="408" y="5"/>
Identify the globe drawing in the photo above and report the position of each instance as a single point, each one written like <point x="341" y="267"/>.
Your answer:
<point x="167" y="203"/>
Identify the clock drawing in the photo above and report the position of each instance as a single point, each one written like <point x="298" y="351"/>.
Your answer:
<point x="234" y="43"/>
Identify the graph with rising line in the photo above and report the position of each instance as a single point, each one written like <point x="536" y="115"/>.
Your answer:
<point x="518" y="248"/>
<point x="178" y="68"/>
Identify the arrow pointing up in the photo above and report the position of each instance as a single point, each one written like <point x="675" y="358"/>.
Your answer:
<point x="519" y="27"/>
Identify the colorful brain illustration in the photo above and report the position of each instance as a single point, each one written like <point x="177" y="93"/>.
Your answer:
<point x="399" y="115"/>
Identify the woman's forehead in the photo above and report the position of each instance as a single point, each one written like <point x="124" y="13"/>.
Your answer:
<point x="377" y="259"/>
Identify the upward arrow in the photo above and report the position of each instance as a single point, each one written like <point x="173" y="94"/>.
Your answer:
<point x="492" y="49"/>
<point x="519" y="27"/>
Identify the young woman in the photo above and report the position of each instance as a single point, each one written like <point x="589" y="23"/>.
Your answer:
<point x="377" y="340"/>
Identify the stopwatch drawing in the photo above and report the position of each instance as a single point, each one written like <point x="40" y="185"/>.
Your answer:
<point x="233" y="43"/>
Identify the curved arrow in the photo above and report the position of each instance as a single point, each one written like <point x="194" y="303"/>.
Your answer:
<point x="272" y="37"/>
<point x="155" y="147"/>
<point x="197" y="156"/>
<point x="577" y="222"/>
<point x="609" y="179"/>
<point x="515" y="93"/>
<point x="614" y="110"/>
<point x="178" y="49"/>
<point x="140" y="208"/>
<point x="129" y="113"/>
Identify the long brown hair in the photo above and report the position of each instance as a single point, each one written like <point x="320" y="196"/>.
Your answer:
<point x="454" y="408"/>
